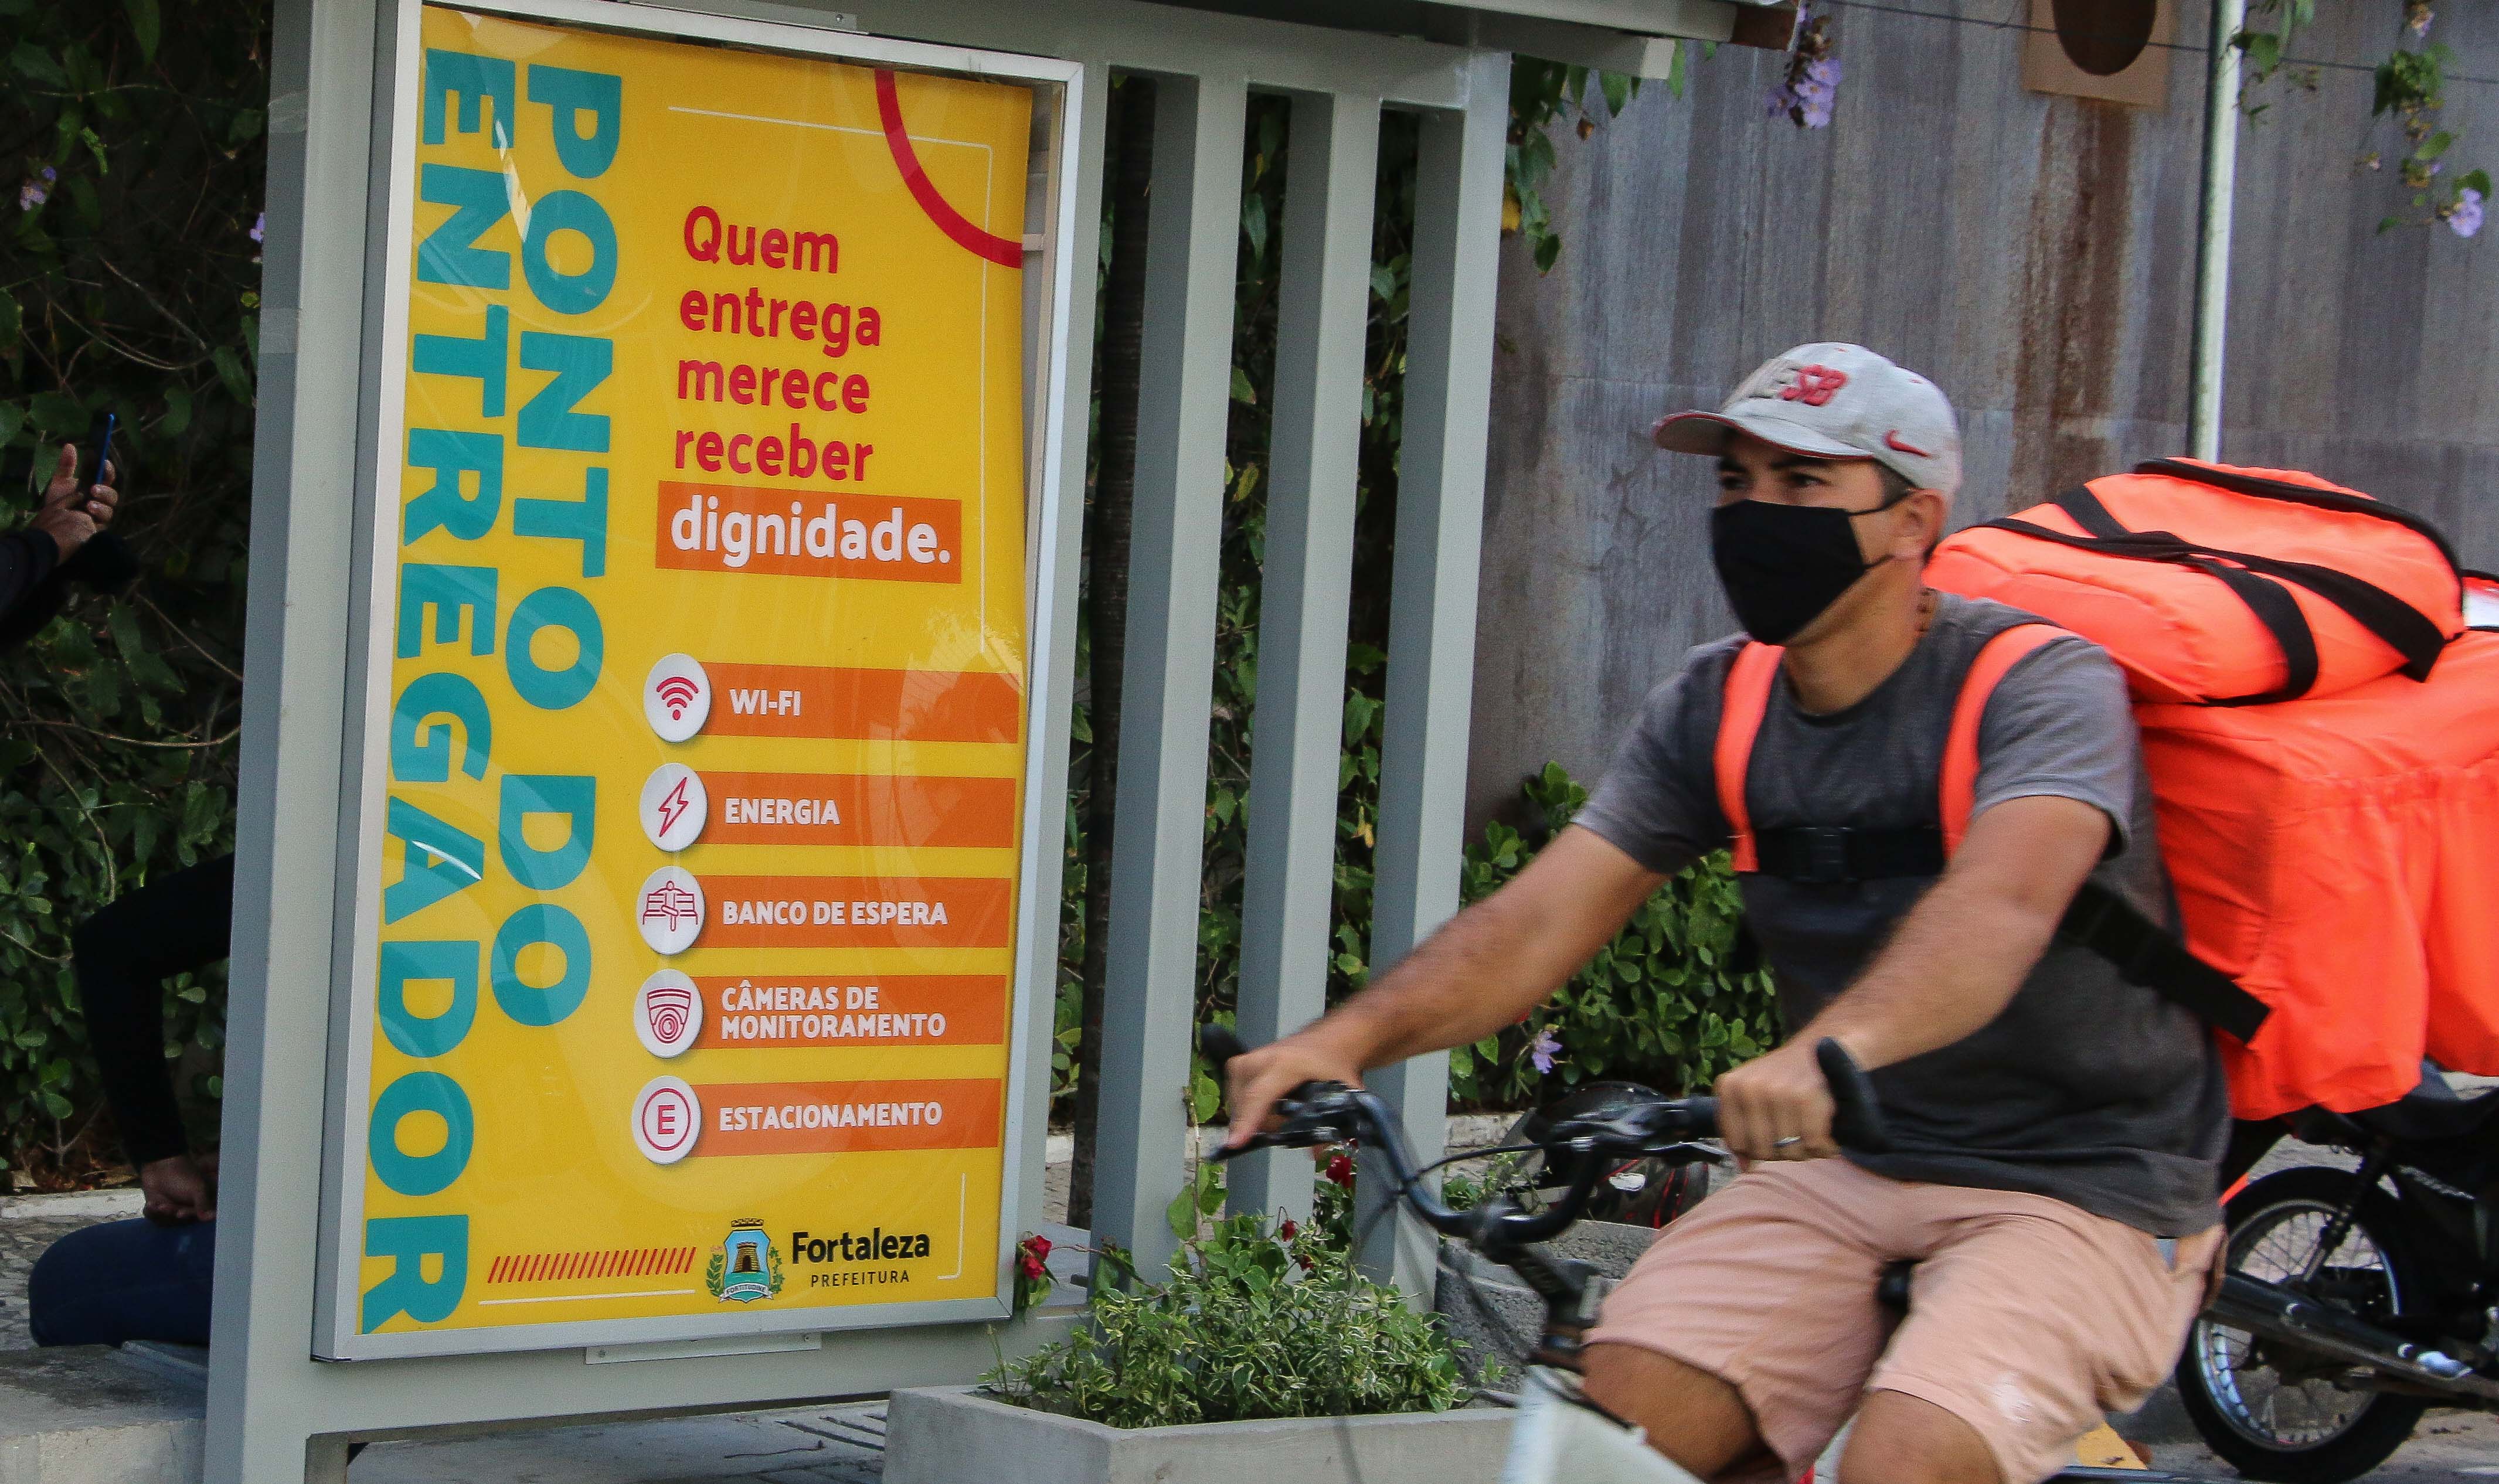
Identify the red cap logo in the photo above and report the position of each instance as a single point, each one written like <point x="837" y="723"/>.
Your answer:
<point x="1814" y="385"/>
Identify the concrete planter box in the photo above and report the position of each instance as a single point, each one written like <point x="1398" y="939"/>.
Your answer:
<point x="950" y="1435"/>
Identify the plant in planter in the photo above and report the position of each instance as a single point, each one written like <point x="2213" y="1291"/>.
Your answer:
<point x="1254" y="1321"/>
<point x="1265" y="1348"/>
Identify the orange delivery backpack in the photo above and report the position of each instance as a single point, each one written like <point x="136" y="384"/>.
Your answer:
<point x="2317" y="684"/>
<point x="2321" y="731"/>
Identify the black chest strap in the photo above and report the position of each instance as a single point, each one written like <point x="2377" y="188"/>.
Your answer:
<point x="2142" y="950"/>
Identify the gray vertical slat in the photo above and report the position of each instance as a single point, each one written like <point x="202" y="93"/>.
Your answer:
<point x="321" y="167"/>
<point x="1305" y="592"/>
<point x="1432" y="597"/>
<point x="1057" y="568"/>
<point x="1191" y="258"/>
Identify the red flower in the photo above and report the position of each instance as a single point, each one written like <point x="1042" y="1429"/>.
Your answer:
<point x="1031" y="1266"/>
<point x="1037" y="1245"/>
<point x="1341" y="1171"/>
<point x="1289" y="1230"/>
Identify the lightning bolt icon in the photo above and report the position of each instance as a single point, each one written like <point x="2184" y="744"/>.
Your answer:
<point x="672" y="806"/>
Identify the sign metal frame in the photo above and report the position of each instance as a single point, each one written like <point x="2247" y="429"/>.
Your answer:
<point x="1060" y="101"/>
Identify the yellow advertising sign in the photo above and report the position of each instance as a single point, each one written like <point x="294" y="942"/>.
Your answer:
<point x="700" y="697"/>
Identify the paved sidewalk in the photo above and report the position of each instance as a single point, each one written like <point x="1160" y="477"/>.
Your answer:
<point x="821" y="1445"/>
<point x="840" y="1446"/>
<point x="30" y="1223"/>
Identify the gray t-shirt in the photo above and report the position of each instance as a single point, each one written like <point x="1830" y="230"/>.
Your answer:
<point x="2087" y="1088"/>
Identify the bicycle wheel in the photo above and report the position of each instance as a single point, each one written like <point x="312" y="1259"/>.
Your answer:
<point x="2278" y="1414"/>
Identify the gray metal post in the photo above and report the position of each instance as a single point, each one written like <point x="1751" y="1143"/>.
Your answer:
<point x="1432" y="601"/>
<point x="1169" y="681"/>
<point x="1055" y="567"/>
<point x="2213" y="229"/>
<point x="1306" y="590"/>
<point x="304" y="496"/>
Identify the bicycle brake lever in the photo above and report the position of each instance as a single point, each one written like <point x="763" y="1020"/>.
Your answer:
<point x="1295" y="1108"/>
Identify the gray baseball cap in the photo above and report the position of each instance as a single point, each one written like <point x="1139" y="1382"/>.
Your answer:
<point x="1834" y="401"/>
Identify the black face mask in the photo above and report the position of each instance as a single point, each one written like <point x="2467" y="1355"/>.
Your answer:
<point x="1783" y="565"/>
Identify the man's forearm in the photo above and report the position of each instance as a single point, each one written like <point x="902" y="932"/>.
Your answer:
<point x="1451" y="990"/>
<point x="1957" y="960"/>
<point x="1497" y="959"/>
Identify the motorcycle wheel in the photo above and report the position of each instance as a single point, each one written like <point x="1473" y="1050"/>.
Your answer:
<point x="2298" y="1427"/>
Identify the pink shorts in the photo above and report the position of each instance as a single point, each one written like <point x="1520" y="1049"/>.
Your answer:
<point x="2029" y="1318"/>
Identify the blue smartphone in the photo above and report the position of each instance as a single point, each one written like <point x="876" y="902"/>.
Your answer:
<point x="97" y="450"/>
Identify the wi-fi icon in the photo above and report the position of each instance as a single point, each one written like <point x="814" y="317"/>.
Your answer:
<point x="677" y="698"/>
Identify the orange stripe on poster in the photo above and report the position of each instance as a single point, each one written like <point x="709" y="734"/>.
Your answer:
<point x="766" y="1011"/>
<point x="847" y="1117"/>
<point x="856" y="911"/>
<point x="561" y="1267"/>
<point x="735" y="528"/>
<point x="859" y="809"/>
<point x="811" y="701"/>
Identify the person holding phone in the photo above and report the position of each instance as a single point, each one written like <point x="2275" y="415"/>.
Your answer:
<point x="66" y="540"/>
<point x="143" y="1279"/>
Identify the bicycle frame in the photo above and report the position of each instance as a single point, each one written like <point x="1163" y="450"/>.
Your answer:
<point x="1560" y="1434"/>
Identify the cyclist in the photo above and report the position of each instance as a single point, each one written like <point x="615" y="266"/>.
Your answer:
<point x="2057" y="1129"/>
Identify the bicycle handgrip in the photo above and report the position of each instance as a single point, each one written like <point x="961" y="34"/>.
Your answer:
<point x="1855" y="1119"/>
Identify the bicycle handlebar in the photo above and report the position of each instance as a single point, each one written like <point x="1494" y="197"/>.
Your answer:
<point x="1318" y="1113"/>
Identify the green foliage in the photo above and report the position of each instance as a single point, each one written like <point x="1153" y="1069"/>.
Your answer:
<point x="1541" y="92"/>
<point x="130" y="282"/>
<point x="1251" y="1323"/>
<point x="1464" y="1188"/>
<point x="2411" y="88"/>
<point x="1670" y="1003"/>
<point x="2266" y="38"/>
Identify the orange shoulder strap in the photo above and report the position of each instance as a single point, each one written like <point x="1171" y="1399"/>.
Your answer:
<point x="1959" y="790"/>
<point x="1740" y="721"/>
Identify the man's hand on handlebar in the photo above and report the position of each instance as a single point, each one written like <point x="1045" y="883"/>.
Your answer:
<point x="1778" y="1107"/>
<point x="1256" y="1079"/>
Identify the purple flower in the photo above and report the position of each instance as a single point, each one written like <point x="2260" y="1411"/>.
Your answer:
<point x="1817" y="113"/>
<point x="31" y="196"/>
<point x="2421" y="16"/>
<point x="50" y="174"/>
<point x="1779" y="101"/>
<point x="1543" y="1049"/>
<point x="1825" y="71"/>
<point x="259" y="226"/>
<point x="2465" y="218"/>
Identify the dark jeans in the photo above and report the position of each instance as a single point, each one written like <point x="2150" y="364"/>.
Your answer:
<point x="121" y="1281"/>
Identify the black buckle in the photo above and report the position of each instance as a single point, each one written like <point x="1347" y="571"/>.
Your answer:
<point x="1821" y="858"/>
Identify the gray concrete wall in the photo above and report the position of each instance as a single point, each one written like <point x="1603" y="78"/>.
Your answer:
<point x="2034" y="255"/>
<point x="2369" y="358"/>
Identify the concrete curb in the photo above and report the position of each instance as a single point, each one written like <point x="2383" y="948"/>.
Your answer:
<point x="946" y="1436"/>
<point x="86" y="1416"/>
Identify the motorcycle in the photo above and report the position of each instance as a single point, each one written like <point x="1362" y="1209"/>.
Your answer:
<point x="2354" y="1299"/>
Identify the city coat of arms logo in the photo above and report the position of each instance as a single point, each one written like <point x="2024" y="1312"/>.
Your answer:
<point x="746" y="1268"/>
